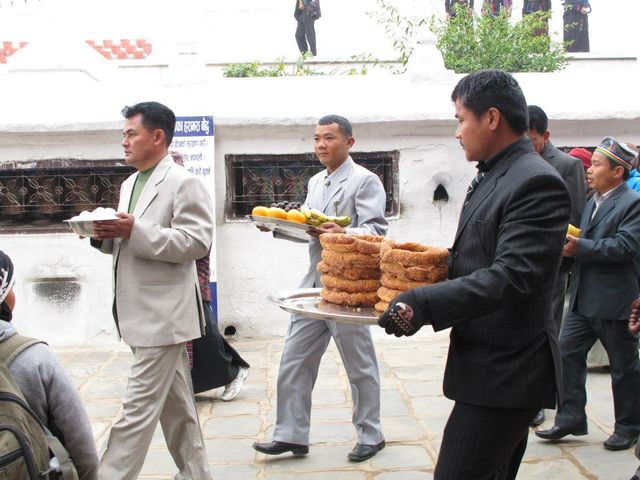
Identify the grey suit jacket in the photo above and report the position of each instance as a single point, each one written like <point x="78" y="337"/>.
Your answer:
<point x="571" y="171"/>
<point x="605" y="276"/>
<point x="503" y="264"/>
<point x="354" y="191"/>
<point x="157" y="295"/>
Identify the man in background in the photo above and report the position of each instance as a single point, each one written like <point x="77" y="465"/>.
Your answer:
<point x="571" y="171"/>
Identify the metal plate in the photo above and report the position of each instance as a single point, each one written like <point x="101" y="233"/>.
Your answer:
<point x="292" y="229"/>
<point x="84" y="228"/>
<point x="308" y="303"/>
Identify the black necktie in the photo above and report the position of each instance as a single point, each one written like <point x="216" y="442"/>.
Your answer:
<point x="474" y="183"/>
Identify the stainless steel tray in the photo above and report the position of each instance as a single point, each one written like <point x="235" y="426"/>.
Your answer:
<point x="291" y="229"/>
<point x="307" y="302"/>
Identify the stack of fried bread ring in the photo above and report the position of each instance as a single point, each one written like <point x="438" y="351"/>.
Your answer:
<point x="408" y="265"/>
<point x="350" y="268"/>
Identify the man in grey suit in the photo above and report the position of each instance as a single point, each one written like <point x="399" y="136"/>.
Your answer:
<point x="572" y="172"/>
<point x="497" y="302"/>
<point x="605" y="280"/>
<point x="344" y="188"/>
<point x="165" y="224"/>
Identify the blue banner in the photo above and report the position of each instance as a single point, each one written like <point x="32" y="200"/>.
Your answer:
<point x="194" y="127"/>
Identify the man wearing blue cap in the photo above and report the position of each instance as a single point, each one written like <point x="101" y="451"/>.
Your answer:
<point x="605" y="280"/>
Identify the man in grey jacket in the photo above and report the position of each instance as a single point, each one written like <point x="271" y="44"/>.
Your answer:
<point x="344" y="188"/>
<point x="46" y="386"/>
<point x="604" y="282"/>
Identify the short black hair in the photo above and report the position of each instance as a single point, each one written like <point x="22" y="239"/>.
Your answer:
<point x="482" y="90"/>
<point x="154" y="115"/>
<point x="343" y="123"/>
<point x="538" y="120"/>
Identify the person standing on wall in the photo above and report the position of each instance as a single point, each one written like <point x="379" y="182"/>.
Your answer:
<point x="576" y="25"/>
<point x="214" y="363"/>
<point x="306" y="13"/>
<point x="450" y="9"/>
<point x="494" y="7"/>
<point x="343" y="188"/>
<point x="605" y="279"/>
<point x="503" y="357"/>
<point x="165" y="224"/>
<point x="533" y="6"/>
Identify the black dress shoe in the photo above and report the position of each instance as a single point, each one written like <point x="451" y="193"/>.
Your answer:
<point x="538" y="419"/>
<point x="276" y="448"/>
<point x="362" y="452"/>
<point x="620" y="442"/>
<point x="556" y="433"/>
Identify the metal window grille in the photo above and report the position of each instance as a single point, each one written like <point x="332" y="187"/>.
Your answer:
<point x="264" y="179"/>
<point x="37" y="196"/>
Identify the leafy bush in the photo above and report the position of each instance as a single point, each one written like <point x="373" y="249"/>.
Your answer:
<point x="470" y="43"/>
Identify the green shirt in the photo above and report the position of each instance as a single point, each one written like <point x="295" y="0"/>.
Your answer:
<point x="141" y="181"/>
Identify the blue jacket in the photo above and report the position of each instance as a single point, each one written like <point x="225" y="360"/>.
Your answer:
<point x="634" y="180"/>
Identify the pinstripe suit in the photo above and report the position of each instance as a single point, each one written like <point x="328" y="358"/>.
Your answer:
<point x="503" y="350"/>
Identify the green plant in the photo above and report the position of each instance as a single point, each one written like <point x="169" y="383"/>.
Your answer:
<point x="255" y="69"/>
<point x="400" y="30"/>
<point x="251" y="69"/>
<point x="469" y="43"/>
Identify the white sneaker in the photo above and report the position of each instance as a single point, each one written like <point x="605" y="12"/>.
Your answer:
<point x="232" y="390"/>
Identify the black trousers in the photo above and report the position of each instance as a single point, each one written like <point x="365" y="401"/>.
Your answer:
<point x="306" y="32"/>
<point x="578" y="335"/>
<point x="215" y="362"/>
<point x="483" y="443"/>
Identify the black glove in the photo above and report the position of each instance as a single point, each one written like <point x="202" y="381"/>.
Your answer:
<point x="404" y="315"/>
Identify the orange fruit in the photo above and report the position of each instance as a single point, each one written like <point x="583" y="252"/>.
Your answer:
<point x="276" y="212"/>
<point x="260" y="211"/>
<point x="296" y="216"/>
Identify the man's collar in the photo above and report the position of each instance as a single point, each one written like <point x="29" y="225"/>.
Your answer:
<point x="338" y="172"/>
<point x="487" y="165"/>
<point x="608" y="193"/>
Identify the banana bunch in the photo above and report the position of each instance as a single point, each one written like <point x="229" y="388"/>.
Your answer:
<point x="315" y="218"/>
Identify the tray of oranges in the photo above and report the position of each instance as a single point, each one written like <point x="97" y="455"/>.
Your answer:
<point x="282" y="218"/>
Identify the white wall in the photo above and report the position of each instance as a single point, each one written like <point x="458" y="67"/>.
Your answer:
<point x="68" y="114"/>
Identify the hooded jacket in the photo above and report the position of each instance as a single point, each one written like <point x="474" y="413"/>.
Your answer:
<point x="53" y="398"/>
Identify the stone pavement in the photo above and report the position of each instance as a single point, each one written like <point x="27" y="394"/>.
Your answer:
<point x="414" y="413"/>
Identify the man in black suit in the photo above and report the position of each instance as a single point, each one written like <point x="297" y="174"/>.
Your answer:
<point x="502" y="266"/>
<point x="604" y="282"/>
<point x="571" y="171"/>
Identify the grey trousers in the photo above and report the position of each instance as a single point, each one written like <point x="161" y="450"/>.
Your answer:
<point x="305" y="344"/>
<point x="158" y="388"/>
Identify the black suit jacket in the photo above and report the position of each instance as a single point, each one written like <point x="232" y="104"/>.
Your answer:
<point x="604" y="278"/>
<point x="572" y="172"/>
<point x="503" y="263"/>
